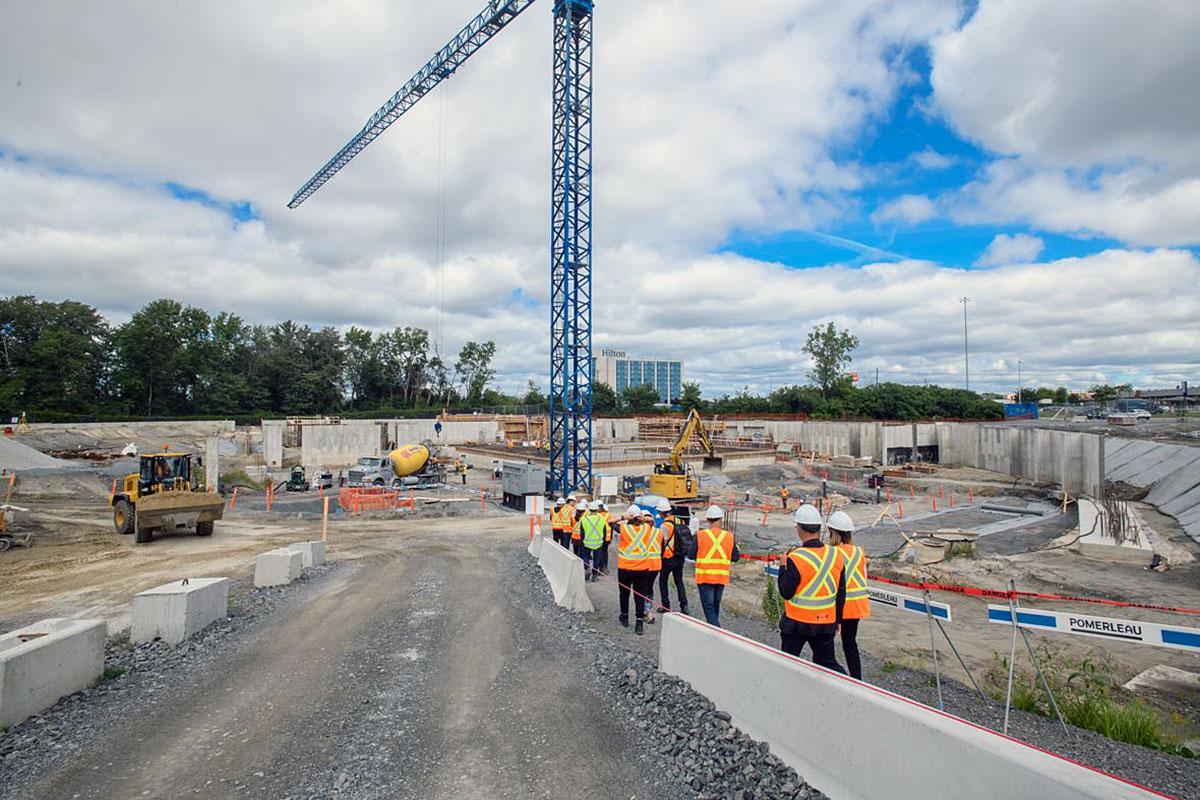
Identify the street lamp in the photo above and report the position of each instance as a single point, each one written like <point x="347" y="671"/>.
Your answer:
<point x="966" y="353"/>
<point x="1018" y="380"/>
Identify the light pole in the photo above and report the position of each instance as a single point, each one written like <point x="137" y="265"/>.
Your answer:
<point x="1018" y="380"/>
<point x="966" y="352"/>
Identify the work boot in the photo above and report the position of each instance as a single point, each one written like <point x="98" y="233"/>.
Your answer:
<point x="638" y="628"/>
<point x="625" y="621"/>
<point x="683" y="609"/>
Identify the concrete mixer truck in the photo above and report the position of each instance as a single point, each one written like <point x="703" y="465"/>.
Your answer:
<point x="414" y="466"/>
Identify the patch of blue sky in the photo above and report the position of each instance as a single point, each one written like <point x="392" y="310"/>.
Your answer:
<point x="242" y="211"/>
<point x="909" y="151"/>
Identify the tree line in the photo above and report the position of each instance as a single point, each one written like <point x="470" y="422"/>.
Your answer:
<point x="66" y="361"/>
<point x="169" y="360"/>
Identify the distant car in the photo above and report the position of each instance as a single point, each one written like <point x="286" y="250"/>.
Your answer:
<point x="1140" y="413"/>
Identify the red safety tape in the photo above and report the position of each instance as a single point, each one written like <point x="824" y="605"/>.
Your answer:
<point x="1004" y="595"/>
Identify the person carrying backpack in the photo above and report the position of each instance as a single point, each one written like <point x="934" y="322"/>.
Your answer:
<point x="676" y="540"/>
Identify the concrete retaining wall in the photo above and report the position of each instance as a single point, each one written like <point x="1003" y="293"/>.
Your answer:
<point x="564" y="571"/>
<point x="174" y="611"/>
<point x="312" y="554"/>
<point x="48" y="660"/>
<point x="341" y="445"/>
<point x="1070" y="459"/>
<point x="900" y="749"/>
<point x="272" y="434"/>
<point x="278" y="567"/>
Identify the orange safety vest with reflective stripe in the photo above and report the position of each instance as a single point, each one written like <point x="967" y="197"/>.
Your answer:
<point x="640" y="547"/>
<point x="667" y="529"/>
<point x="815" y="601"/>
<point x="560" y="518"/>
<point x="714" y="552"/>
<point x="858" y="601"/>
<point x="574" y="523"/>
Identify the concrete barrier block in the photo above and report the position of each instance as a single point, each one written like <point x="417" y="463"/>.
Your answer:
<point x="174" y="611"/>
<point x="46" y="661"/>
<point x="278" y="567"/>
<point x="535" y="545"/>
<point x="915" y="752"/>
<point x="564" y="571"/>
<point x="311" y="553"/>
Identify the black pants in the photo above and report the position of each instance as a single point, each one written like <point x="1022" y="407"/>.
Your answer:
<point x="577" y="546"/>
<point x="821" y="644"/>
<point x="641" y="581"/>
<point x="672" y="568"/>
<point x="850" y="647"/>
<point x="600" y="559"/>
<point x="563" y="538"/>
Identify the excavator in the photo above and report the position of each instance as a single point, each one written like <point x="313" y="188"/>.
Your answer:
<point x="675" y="480"/>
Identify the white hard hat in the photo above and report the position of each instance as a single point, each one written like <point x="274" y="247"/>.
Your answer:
<point x="633" y="511"/>
<point x="807" y="515"/>
<point x="572" y="498"/>
<point x="559" y="502"/>
<point x="603" y="506"/>
<point x="597" y="505"/>
<point x="664" y="505"/>
<point x="840" y="521"/>
<point x="714" y="512"/>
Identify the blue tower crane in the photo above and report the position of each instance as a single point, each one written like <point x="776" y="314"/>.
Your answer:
<point x="570" y="214"/>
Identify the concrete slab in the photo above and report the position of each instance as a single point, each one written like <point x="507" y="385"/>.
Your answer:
<point x="311" y="553"/>
<point x="564" y="572"/>
<point x="177" y="610"/>
<point x="48" y="660"/>
<point x="915" y="751"/>
<point x="278" y="567"/>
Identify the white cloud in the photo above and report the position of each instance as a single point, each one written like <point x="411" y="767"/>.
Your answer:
<point x="1018" y="248"/>
<point x="909" y="209"/>
<point x="931" y="159"/>
<point x="1097" y="105"/>
<point x="709" y="120"/>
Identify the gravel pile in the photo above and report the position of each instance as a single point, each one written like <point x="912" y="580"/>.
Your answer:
<point x="695" y="749"/>
<point x="16" y="456"/>
<point x="135" y="676"/>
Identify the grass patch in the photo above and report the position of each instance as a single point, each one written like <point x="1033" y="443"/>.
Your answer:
<point x="889" y="667"/>
<point x="772" y="603"/>
<point x="239" y="477"/>
<point x="1089" y="696"/>
<point x="111" y="673"/>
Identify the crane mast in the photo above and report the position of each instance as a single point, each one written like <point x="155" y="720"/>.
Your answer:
<point x="570" y="216"/>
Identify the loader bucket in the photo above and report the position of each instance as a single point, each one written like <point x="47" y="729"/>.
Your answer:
<point x="172" y="510"/>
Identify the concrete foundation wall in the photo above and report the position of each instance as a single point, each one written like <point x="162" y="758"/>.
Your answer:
<point x="46" y="661"/>
<point x="1170" y="471"/>
<point x="333" y="446"/>
<point x="1067" y="458"/>
<point x="900" y="749"/>
<point x="272" y="436"/>
<point x="177" y="610"/>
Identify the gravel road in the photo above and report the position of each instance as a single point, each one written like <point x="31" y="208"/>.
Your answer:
<point x="425" y="672"/>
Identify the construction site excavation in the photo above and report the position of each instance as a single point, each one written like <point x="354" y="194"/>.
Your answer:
<point x="339" y="655"/>
<point x="838" y="437"/>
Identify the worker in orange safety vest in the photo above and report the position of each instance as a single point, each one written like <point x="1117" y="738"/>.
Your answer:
<point x="812" y="585"/>
<point x="561" y="522"/>
<point x="713" y="550"/>
<point x="639" y="558"/>
<point x="858" y="601"/>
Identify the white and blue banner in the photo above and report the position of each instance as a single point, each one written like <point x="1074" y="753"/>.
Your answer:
<point x="1121" y="630"/>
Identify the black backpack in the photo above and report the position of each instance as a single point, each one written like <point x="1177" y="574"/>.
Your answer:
<point x="683" y="539"/>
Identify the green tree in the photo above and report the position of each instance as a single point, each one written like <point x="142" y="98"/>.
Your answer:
<point x="830" y="350"/>
<point x="533" y="395"/>
<point x="604" y="399"/>
<point x="161" y="354"/>
<point x="474" y="369"/>
<point x="691" y="397"/>
<point x="639" y="399"/>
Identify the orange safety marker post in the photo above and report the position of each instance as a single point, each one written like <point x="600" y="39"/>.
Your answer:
<point x="912" y="491"/>
<point x="941" y="490"/>
<point x="952" y="499"/>
<point x="970" y="493"/>
<point x="766" y="509"/>
<point x="325" y="521"/>
<point x="233" y="501"/>
<point x="935" y="504"/>
<point x="889" y="495"/>
<point x="482" y="505"/>
<point x="901" y="505"/>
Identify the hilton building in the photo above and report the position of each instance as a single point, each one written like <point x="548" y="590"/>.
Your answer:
<point x="621" y="371"/>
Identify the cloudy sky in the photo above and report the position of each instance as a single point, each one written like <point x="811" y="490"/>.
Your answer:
<point x="865" y="161"/>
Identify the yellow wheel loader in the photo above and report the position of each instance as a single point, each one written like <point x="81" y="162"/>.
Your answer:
<point x="161" y="496"/>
